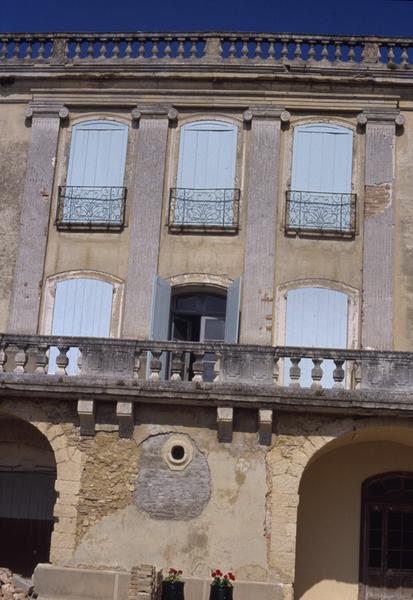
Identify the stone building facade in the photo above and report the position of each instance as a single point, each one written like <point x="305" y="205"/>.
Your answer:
<point x="206" y="297"/>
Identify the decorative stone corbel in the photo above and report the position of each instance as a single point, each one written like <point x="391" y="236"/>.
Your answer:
<point x="86" y="412"/>
<point x="266" y="112"/>
<point x="47" y="109"/>
<point x="265" y="419"/>
<point x="225" y="419"/>
<point x="153" y="111"/>
<point x="382" y="115"/>
<point x="124" y="414"/>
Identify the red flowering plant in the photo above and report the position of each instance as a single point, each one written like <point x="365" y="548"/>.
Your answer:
<point x="222" y="579"/>
<point x="173" y="576"/>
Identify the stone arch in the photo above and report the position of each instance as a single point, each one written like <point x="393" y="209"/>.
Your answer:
<point x="63" y="438"/>
<point x="286" y="463"/>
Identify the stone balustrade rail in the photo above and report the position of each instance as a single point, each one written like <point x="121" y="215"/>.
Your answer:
<point x="273" y="49"/>
<point x="129" y="361"/>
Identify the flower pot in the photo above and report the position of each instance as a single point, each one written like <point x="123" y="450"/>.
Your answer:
<point x="219" y="592"/>
<point x="173" y="590"/>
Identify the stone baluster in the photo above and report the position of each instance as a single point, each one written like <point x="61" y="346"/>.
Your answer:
<point x="29" y="49"/>
<point x="244" y="49"/>
<point x="181" y="48"/>
<point x="35" y="215"/>
<point x="311" y="50"/>
<point x="177" y="364"/>
<point x="145" y="218"/>
<point x="337" y="53"/>
<point x="90" y="48"/>
<point x="103" y="48"/>
<point x="295" y="372"/>
<point x="16" y="49"/>
<point x="271" y="49"/>
<point x="198" y="366"/>
<point x="258" y="49"/>
<point x="20" y="359"/>
<point x="316" y="374"/>
<point x="78" y="49"/>
<point x="338" y="373"/>
<point x="297" y="51"/>
<point x="128" y="48"/>
<point x="262" y="227"/>
<point x="404" y="59"/>
<point x="4" y="48"/>
<point x="379" y="230"/>
<point x="284" y="51"/>
<point x="115" y="48"/>
<point x="232" y="47"/>
<point x="155" y="365"/>
<point x="42" y="48"/>
<point x="324" y="51"/>
<point x="168" y="47"/>
<point x="154" y="49"/>
<point x="276" y="371"/>
<point x="41" y="359"/>
<point x="3" y="356"/>
<point x="141" y="51"/>
<point x="62" y="360"/>
<point x="390" y="55"/>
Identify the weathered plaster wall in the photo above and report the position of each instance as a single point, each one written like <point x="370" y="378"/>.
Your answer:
<point x="117" y="533"/>
<point x="14" y="141"/>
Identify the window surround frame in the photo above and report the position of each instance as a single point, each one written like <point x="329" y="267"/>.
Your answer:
<point x="357" y="176"/>
<point x="63" y="156"/>
<point x="353" y="311"/>
<point x="172" y="161"/>
<point x="49" y="294"/>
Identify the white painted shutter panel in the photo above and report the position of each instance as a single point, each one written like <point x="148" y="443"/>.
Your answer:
<point x="322" y="158"/>
<point x="83" y="307"/>
<point x="232" y="312"/>
<point x="322" y="162"/>
<point x="97" y="154"/>
<point x="316" y="317"/>
<point x="161" y="309"/>
<point x="207" y="155"/>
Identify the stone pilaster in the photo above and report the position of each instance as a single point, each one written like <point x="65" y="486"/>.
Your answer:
<point x="379" y="214"/>
<point x="261" y="229"/>
<point x="35" y="214"/>
<point x="146" y="217"/>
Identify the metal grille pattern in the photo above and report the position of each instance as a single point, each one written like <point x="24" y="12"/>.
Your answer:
<point x="84" y="207"/>
<point x="204" y="209"/>
<point x="320" y="212"/>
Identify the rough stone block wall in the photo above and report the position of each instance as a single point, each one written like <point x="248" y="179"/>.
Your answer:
<point x="108" y="479"/>
<point x="145" y="583"/>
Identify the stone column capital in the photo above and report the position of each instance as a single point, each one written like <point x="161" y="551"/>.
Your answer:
<point x="47" y="109"/>
<point x="266" y="112"/>
<point x="381" y="115"/>
<point x="154" y="111"/>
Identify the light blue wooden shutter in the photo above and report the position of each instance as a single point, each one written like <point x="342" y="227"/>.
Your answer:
<point x="206" y="173"/>
<point x="322" y="163"/>
<point x="316" y="317"/>
<point x="95" y="173"/>
<point x="232" y="312"/>
<point x="97" y="154"/>
<point x="83" y="307"/>
<point x="161" y="309"/>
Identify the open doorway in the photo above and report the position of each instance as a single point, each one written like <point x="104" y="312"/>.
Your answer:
<point x="27" y="496"/>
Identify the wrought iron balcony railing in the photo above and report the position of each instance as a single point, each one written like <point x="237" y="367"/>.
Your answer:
<point x="206" y="210"/>
<point x="320" y="212"/>
<point x="99" y="208"/>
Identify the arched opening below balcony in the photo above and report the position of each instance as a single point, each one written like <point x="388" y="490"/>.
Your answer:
<point x="27" y="496"/>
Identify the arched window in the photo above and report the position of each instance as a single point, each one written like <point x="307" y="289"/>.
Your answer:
<point x="320" y="199"/>
<point x="93" y="196"/>
<point x="387" y="536"/>
<point x="205" y="194"/>
<point x="82" y="307"/>
<point x="316" y="317"/>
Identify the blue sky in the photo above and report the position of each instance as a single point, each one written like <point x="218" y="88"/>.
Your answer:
<point x="379" y="17"/>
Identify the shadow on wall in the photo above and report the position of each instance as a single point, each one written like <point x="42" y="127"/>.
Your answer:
<point x="329" y="512"/>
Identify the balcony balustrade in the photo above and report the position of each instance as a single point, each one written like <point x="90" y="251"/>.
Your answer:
<point x="113" y="360"/>
<point x="303" y="51"/>
<point x="88" y="207"/>
<point x="205" y="210"/>
<point x="320" y="212"/>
